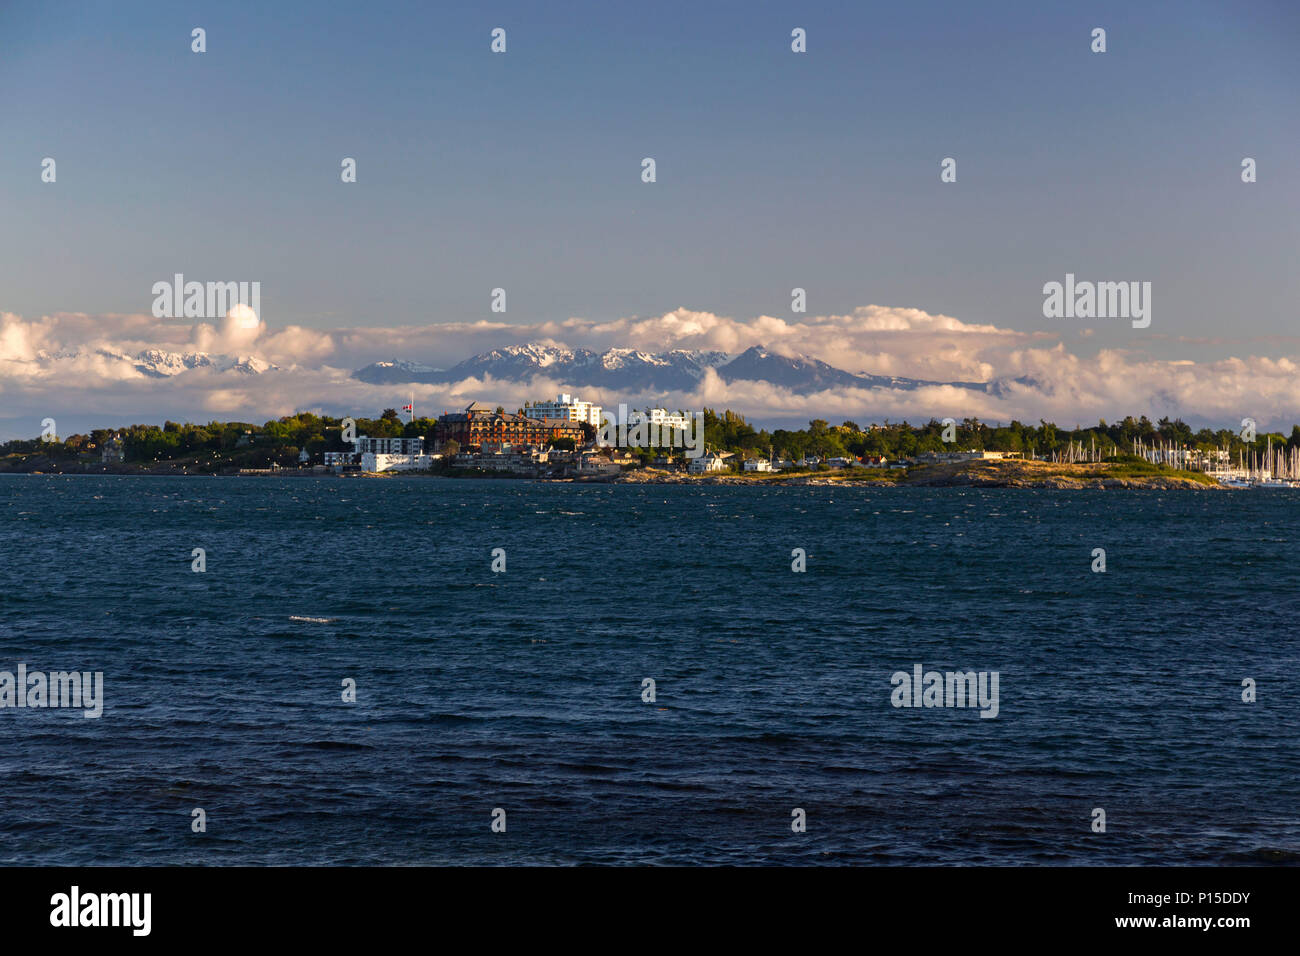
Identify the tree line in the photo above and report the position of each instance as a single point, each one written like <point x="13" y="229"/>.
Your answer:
<point x="282" y="439"/>
<point x="894" y="440"/>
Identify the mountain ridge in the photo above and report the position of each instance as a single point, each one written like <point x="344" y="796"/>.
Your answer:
<point x="633" y="370"/>
<point x="162" y="363"/>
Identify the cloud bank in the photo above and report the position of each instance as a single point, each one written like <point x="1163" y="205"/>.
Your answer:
<point x="85" y="370"/>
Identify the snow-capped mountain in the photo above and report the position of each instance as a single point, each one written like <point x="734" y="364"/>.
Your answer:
<point x="636" y="371"/>
<point x="159" y="363"/>
<point x="798" y="374"/>
<point x="613" y="368"/>
<point x="162" y="364"/>
<point x="397" y="373"/>
<point x="805" y="375"/>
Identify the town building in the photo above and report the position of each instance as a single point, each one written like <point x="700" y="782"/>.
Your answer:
<point x="593" y="464"/>
<point x="566" y="408"/>
<point x="713" y="461"/>
<point x="506" y="458"/>
<point x="375" y="464"/>
<point x="113" y="450"/>
<point x="390" y="446"/>
<point x="338" y="460"/>
<point x="757" y="464"/>
<point x="661" y="417"/>
<point x="478" y="424"/>
<point x="623" y="458"/>
<point x="971" y="455"/>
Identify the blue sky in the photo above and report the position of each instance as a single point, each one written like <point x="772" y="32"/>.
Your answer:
<point x="775" y="170"/>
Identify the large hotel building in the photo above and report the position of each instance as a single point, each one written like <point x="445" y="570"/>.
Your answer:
<point x="478" y="425"/>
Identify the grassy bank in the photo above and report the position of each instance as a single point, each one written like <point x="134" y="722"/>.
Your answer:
<point x="991" y="474"/>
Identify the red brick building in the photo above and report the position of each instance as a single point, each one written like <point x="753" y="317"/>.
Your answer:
<point x="477" y="424"/>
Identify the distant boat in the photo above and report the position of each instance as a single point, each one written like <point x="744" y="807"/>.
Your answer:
<point x="1268" y="483"/>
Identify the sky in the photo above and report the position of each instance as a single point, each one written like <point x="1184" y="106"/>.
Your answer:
<point x="774" y="170"/>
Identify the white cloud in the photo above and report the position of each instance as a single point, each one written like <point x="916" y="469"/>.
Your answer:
<point x="83" y="367"/>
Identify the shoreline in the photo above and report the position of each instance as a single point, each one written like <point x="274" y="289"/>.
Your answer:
<point x="964" y="475"/>
<point x="974" y="474"/>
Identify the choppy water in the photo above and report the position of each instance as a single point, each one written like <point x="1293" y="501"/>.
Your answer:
<point x="522" y="690"/>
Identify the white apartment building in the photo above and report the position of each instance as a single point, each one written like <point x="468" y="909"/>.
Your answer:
<point x="566" y="408"/>
<point x="337" y="459"/>
<point x="663" y="418"/>
<point x="374" y="464"/>
<point x="390" y="446"/>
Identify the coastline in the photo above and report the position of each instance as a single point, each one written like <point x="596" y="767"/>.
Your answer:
<point x="976" y="474"/>
<point x="972" y="474"/>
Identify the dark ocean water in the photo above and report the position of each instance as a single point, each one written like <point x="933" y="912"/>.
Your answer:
<point x="522" y="690"/>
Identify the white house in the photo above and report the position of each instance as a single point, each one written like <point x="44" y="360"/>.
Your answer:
<point x="757" y="464"/>
<point x="706" y="463"/>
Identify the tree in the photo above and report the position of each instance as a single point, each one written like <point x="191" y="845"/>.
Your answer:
<point x="1048" y="434"/>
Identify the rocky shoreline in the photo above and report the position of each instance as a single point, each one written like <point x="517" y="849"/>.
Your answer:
<point x="1057" y="484"/>
<point x="1005" y="474"/>
<point x="1030" y="475"/>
